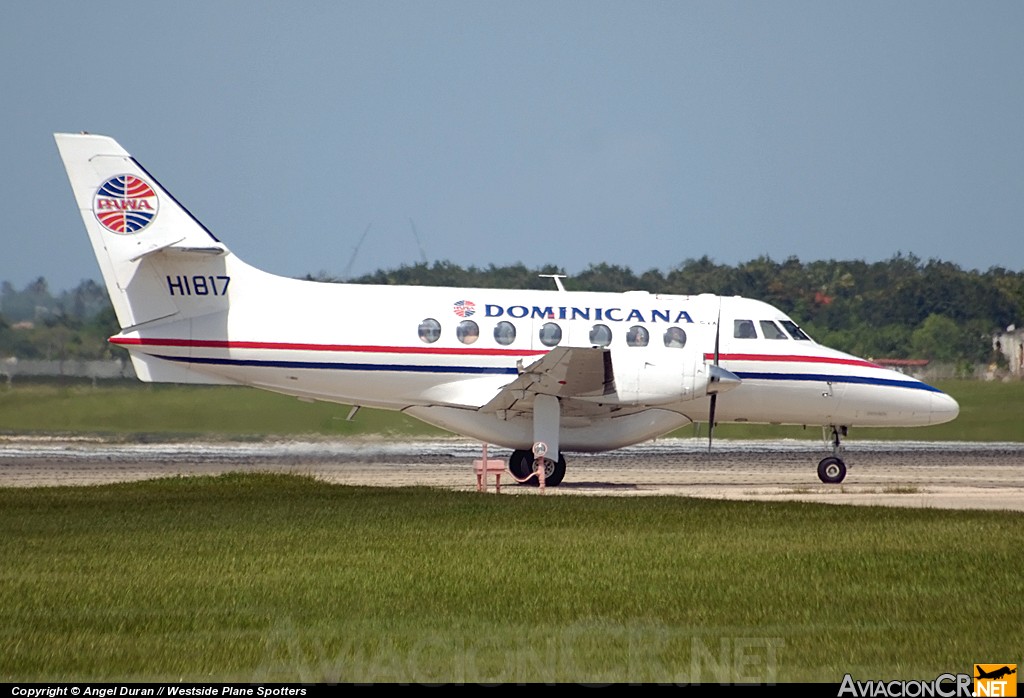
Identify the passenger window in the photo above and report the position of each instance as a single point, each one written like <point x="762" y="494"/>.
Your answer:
<point x="430" y="330"/>
<point x="550" y="334"/>
<point x="467" y="332"/>
<point x="675" y="338"/>
<point x="600" y="336"/>
<point x="504" y="333"/>
<point x="744" y="329"/>
<point x="771" y="331"/>
<point x="637" y="336"/>
<point x="794" y="331"/>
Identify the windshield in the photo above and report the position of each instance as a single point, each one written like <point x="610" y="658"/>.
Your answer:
<point x="794" y="331"/>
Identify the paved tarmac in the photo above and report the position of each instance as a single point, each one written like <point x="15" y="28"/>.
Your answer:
<point x="904" y="474"/>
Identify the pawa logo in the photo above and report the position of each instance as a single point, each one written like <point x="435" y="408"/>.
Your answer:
<point x="995" y="680"/>
<point x="464" y="308"/>
<point x="125" y="204"/>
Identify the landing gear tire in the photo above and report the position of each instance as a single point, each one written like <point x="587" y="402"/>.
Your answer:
<point x="554" y="471"/>
<point x="831" y="470"/>
<point x="520" y="464"/>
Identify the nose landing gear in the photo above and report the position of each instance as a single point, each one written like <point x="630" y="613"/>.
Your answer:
<point x="832" y="470"/>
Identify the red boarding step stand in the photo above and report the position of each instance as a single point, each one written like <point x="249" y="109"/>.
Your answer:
<point x="486" y="466"/>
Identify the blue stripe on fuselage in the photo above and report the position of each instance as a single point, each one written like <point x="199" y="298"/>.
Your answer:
<point x="329" y="366"/>
<point x="497" y="370"/>
<point x="829" y="378"/>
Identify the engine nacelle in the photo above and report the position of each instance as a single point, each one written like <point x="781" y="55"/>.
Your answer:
<point x="655" y="377"/>
<point x="667" y="377"/>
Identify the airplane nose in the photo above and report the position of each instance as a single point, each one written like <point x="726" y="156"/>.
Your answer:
<point x="943" y="408"/>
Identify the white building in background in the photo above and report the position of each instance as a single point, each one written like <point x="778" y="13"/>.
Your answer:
<point x="1011" y="345"/>
<point x="12" y="367"/>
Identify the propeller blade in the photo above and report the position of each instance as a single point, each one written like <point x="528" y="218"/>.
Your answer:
<point x="711" y="421"/>
<point x="713" y="376"/>
<point x="718" y="330"/>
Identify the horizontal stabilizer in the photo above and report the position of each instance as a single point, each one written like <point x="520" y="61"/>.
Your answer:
<point x="175" y="247"/>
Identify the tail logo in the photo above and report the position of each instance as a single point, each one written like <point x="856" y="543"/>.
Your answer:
<point x="125" y="204"/>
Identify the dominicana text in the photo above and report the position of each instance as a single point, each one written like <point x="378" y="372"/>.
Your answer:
<point x="572" y="313"/>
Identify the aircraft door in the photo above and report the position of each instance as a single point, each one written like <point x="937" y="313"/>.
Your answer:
<point x="657" y="367"/>
<point x="832" y="399"/>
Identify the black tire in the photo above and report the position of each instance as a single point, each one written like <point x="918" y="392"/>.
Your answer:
<point x="831" y="470"/>
<point x="555" y="472"/>
<point x="520" y="464"/>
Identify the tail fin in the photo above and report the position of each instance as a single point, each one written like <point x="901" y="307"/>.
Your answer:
<point x="137" y="228"/>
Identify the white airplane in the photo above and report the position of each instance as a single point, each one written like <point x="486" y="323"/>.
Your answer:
<point x="540" y="372"/>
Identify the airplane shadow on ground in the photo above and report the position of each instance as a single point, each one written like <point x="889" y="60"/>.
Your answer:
<point x="598" y="486"/>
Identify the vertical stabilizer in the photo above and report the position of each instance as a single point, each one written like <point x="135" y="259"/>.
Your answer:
<point x="133" y="223"/>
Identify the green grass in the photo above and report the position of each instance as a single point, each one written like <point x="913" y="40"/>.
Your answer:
<point x="272" y="577"/>
<point x="137" y="408"/>
<point x="989" y="412"/>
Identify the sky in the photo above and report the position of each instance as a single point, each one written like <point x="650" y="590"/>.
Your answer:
<point x="639" y="133"/>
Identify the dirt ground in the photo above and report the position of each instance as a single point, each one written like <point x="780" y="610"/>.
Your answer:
<point x="906" y="474"/>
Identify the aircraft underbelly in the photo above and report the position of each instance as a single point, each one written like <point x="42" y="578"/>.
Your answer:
<point x="870" y="406"/>
<point x="782" y="402"/>
<point x="385" y="390"/>
<point x="517" y="432"/>
<point x="342" y="378"/>
<point x="821" y="402"/>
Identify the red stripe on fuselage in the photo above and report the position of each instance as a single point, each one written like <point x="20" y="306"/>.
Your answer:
<point x="792" y="358"/>
<point x="291" y="346"/>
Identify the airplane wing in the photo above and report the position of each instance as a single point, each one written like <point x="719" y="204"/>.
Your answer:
<point x="565" y="372"/>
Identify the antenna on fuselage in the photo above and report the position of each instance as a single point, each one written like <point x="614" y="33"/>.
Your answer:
<point x="558" y="279"/>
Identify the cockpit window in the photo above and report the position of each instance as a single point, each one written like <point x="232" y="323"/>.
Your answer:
<point x="504" y="333"/>
<point x="637" y="336"/>
<point x="467" y="332"/>
<point x="550" y="334"/>
<point x="675" y="338"/>
<point x="794" y="331"/>
<point x="744" y="329"/>
<point x="771" y="331"/>
<point x="600" y="336"/>
<point x="430" y="330"/>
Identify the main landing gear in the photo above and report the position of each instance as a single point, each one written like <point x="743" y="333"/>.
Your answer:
<point x="523" y="466"/>
<point x="547" y="417"/>
<point x="832" y="470"/>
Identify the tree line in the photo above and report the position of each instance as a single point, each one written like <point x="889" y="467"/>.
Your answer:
<point x="36" y="323"/>
<point x="903" y="307"/>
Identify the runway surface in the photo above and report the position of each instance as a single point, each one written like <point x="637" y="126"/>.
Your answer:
<point x="906" y="474"/>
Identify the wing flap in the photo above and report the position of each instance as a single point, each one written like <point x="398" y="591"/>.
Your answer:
<point x="564" y="372"/>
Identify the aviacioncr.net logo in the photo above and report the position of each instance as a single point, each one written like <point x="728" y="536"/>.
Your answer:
<point x="995" y="680"/>
<point x="944" y="686"/>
